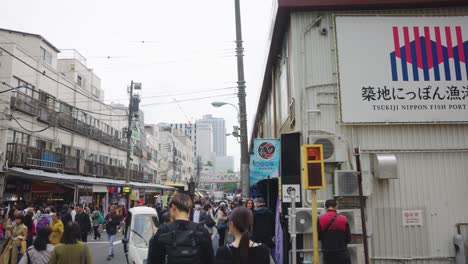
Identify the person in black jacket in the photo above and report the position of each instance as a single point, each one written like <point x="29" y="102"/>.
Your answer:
<point x="334" y="233"/>
<point x="65" y="216"/>
<point x="180" y="241"/>
<point x="112" y="222"/>
<point x="264" y="224"/>
<point x="197" y="215"/>
<point x="83" y="221"/>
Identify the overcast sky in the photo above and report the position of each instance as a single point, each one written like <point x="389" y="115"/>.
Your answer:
<point x="179" y="50"/>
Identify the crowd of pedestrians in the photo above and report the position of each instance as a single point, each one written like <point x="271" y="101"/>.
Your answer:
<point x="205" y="232"/>
<point x="34" y="235"/>
<point x="190" y="232"/>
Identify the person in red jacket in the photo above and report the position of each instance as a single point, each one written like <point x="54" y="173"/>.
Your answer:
<point x="334" y="233"/>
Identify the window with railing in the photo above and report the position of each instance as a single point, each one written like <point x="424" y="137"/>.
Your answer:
<point x="26" y="87"/>
<point x="21" y="138"/>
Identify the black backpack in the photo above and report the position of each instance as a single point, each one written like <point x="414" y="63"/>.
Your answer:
<point x="183" y="245"/>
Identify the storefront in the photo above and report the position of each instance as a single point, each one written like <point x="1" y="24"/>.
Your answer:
<point x="100" y="196"/>
<point x="28" y="191"/>
<point x="50" y="193"/>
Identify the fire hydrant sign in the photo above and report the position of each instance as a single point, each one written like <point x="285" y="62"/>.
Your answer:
<point x="402" y="69"/>
<point x="412" y="217"/>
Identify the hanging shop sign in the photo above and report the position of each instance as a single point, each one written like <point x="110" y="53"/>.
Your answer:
<point x="402" y="69"/>
<point x="99" y="189"/>
<point x="264" y="163"/>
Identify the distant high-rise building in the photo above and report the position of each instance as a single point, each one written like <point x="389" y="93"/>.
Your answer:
<point x="218" y="125"/>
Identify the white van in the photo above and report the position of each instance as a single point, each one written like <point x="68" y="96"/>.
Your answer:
<point x="140" y="226"/>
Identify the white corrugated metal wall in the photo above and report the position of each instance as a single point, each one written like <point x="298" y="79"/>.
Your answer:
<point x="432" y="159"/>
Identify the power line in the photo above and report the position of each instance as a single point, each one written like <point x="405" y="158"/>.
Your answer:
<point x="30" y="131"/>
<point x="169" y="95"/>
<point x="186" y="100"/>
<point x="49" y="77"/>
<point x="84" y="110"/>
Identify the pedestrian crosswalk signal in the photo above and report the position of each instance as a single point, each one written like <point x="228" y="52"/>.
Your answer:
<point x="313" y="172"/>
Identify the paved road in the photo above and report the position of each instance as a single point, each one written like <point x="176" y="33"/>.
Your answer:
<point x="99" y="250"/>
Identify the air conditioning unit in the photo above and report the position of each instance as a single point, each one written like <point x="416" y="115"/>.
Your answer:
<point x="303" y="220"/>
<point x="356" y="253"/>
<point x="346" y="183"/>
<point x="334" y="148"/>
<point x="354" y="220"/>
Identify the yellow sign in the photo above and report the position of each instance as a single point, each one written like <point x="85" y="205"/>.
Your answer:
<point x="132" y="196"/>
<point x="313" y="172"/>
<point x="126" y="189"/>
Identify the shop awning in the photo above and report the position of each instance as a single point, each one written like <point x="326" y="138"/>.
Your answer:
<point x="78" y="179"/>
<point x="147" y="186"/>
<point x="174" y="184"/>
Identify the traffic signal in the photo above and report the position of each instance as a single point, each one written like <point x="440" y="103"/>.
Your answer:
<point x="313" y="172"/>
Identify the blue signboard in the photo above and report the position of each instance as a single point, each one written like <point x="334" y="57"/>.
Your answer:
<point x="264" y="163"/>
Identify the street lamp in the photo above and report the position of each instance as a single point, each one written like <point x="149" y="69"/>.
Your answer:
<point x="218" y="104"/>
<point x="243" y="144"/>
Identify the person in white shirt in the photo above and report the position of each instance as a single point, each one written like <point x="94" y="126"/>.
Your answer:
<point x="73" y="213"/>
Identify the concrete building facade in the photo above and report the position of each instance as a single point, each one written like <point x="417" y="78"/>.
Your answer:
<point x="218" y="126"/>
<point x="176" y="162"/>
<point x="56" y="127"/>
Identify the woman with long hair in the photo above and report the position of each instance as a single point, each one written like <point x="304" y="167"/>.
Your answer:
<point x="221" y="220"/>
<point x="71" y="250"/>
<point x="249" y="204"/>
<point x="39" y="252"/>
<point x="242" y="250"/>
<point x="29" y="223"/>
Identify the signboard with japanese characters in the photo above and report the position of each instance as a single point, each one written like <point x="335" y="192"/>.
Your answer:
<point x="412" y="217"/>
<point x="402" y="69"/>
<point x="264" y="163"/>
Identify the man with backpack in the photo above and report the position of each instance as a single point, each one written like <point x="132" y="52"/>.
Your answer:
<point x="334" y="233"/>
<point x="181" y="241"/>
<point x="98" y="220"/>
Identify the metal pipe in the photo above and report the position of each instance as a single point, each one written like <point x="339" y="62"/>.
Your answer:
<point x="362" y="206"/>
<point x="413" y="258"/>
<point x="292" y="218"/>
<point x="449" y="150"/>
<point x="242" y="106"/>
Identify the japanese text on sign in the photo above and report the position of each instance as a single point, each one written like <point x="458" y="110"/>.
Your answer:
<point x="412" y="218"/>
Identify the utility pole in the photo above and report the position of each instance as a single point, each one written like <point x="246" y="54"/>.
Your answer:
<point x="129" y="140"/>
<point x="245" y="181"/>
<point x="197" y="180"/>
<point x="174" y="162"/>
<point x="132" y="108"/>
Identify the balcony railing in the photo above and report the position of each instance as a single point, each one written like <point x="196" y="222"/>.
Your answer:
<point x="70" y="164"/>
<point x="136" y="175"/>
<point x="20" y="155"/>
<point x="25" y="103"/>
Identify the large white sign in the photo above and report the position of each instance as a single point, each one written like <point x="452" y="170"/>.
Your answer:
<point x="403" y="69"/>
